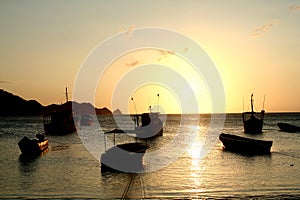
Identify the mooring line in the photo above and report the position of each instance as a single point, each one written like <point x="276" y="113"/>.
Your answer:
<point x="284" y="154"/>
<point x="128" y="186"/>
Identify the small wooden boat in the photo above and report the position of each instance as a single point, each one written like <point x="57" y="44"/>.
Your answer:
<point x="288" y="127"/>
<point x="86" y="120"/>
<point x="34" y="147"/>
<point x="245" y="145"/>
<point x="253" y="121"/>
<point x="126" y="157"/>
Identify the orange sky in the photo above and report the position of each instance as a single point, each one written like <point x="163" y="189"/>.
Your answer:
<point x="253" y="44"/>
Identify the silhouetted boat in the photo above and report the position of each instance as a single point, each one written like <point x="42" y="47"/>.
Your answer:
<point x="253" y="121"/>
<point x="86" y="120"/>
<point x="245" y="145"/>
<point x="126" y="157"/>
<point x="288" y="127"/>
<point x="60" y="121"/>
<point x="34" y="147"/>
<point x="148" y="125"/>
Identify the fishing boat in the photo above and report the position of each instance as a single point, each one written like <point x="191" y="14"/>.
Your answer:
<point x="253" y="121"/>
<point x="86" y="120"/>
<point x="288" y="127"/>
<point x="60" y="121"/>
<point x="148" y="125"/>
<point x="125" y="157"/>
<point x="34" y="147"/>
<point x="245" y="145"/>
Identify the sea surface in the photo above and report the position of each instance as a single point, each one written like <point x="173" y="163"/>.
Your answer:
<point x="192" y="165"/>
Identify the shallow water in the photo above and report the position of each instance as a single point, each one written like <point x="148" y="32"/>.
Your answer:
<point x="69" y="170"/>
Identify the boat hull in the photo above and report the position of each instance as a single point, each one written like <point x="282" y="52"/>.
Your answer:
<point x="32" y="148"/>
<point x="288" y="127"/>
<point x="126" y="157"/>
<point x="253" y="124"/>
<point x="245" y="145"/>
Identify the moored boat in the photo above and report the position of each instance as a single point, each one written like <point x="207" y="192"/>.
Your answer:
<point x="126" y="157"/>
<point x="148" y="125"/>
<point x="253" y="121"/>
<point x="60" y="121"/>
<point x="288" y="127"/>
<point x="245" y="145"/>
<point x="86" y="120"/>
<point x="33" y="147"/>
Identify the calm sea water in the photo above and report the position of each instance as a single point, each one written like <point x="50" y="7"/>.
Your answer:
<point x="69" y="170"/>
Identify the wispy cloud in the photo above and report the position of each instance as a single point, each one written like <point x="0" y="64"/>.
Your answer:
<point x="295" y="7"/>
<point x="132" y="64"/>
<point x="259" y="31"/>
<point x="165" y="53"/>
<point x="130" y="29"/>
<point x="5" y="82"/>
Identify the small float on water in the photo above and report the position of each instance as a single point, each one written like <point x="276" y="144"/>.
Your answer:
<point x="33" y="147"/>
<point x="253" y="121"/>
<point x="288" y="127"/>
<point x="245" y="145"/>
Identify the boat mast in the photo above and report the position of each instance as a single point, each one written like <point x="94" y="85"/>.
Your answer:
<point x="157" y="102"/>
<point x="252" y="104"/>
<point x="264" y="102"/>
<point x="67" y="95"/>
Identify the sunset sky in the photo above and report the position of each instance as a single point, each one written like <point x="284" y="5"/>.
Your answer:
<point x="254" y="45"/>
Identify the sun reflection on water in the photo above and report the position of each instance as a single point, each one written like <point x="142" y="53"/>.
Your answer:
<point x="196" y="168"/>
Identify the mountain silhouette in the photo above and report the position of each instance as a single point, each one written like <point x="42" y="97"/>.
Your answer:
<point x="12" y="105"/>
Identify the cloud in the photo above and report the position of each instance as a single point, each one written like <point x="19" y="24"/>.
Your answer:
<point x="165" y="53"/>
<point x="5" y="82"/>
<point x="132" y="64"/>
<point x="295" y="8"/>
<point x="130" y="29"/>
<point x="259" y="31"/>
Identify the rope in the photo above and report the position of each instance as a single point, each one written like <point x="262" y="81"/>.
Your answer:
<point x="128" y="186"/>
<point x="284" y="154"/>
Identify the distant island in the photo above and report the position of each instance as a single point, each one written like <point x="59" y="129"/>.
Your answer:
<point x="12" y="105"/>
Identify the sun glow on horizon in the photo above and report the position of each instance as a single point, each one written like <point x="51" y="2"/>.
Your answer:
<point x="171" y="68"/>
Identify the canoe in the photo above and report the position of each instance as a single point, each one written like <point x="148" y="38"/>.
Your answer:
<point x="288" y="127"/>
<point x="245" y="145"/>
<point x="126" y="157"/>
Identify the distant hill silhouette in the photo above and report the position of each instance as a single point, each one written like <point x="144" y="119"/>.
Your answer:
<point x="117" y="112"/>
<point x="12" y="105"/>
<point x="103" y="111"/>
